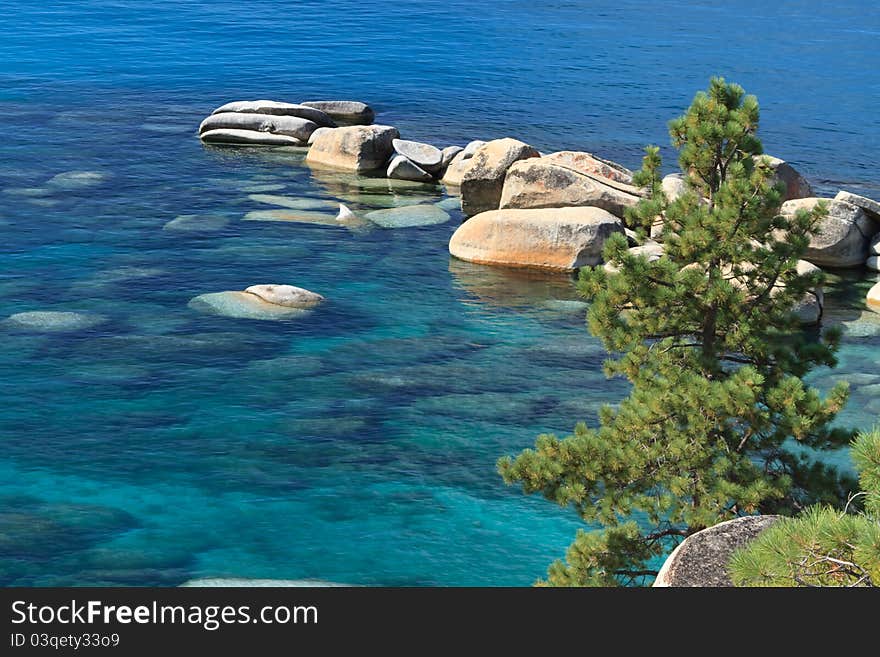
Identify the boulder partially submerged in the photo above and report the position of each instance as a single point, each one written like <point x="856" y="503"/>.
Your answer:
<point x="482" y="182"/>
<point x="281" y="109"/>
<point x="552" y="238"/>
<point x="344" y="112"/>
<point x="353" y="148"/>
<point x="291" y="126"/>
<point x="264" y="302"/>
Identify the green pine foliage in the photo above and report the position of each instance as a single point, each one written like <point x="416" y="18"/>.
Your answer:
<point x="822" y="547"/>
<point x="707" y="337"/>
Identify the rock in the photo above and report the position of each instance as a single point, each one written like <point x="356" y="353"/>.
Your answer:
<point x="294" y="203"/>
<point x="422" y="155"/>
<point x="589" y="164"/>
<point x="243" y="305"/>
<point x="869" y="205"/>
<point x="553" y="238"/>
<point x="355" y="148"/>
<point x="348" y="112"/>
<point x="456" y="169"/>
<point x="873" y="263"/>
<point x="224" y="582"/>
<point x="292" y="126"/>
<point x="401" y="168"/>
<point x="539" y="183"/>
<point x="285" y="295"/>
<point x="483" y="181"/>
<point x="810" y="309"/>
<point x="674" y="186"/>
<point x="76" y="179"/>
<point x="230" y="136"/>
<point x="278" y="109"/>
<point x="447" y="155"/>
<point x="408" y="216"/>
<point x="451" y="203"/>
<point x="302" y="217"/>
<point x="873" y="298"/>
<point x="344" y="213"/>
<point x="702" y="558"/>
<point x="874" y="245"/>
<point x="52" y="321"/>
<point x="472" y="147"/>
<point x="651" y="250"/>
<point x="796" y="185"/>
<point x="196" y="223"/>
<point x="842" y="240"/>
<point x="317" y="133"/>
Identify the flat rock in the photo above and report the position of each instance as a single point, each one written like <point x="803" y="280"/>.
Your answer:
<point x="243" y="305"/>
<point x="197" y="223"/>
<point x="288" y="296"/>
<point x="300" y="217"/>
<point x="869" y="205"/>
<point x="294" y="203"/>
<point x="408" y="216"/>
<point x="483" y="180"/>
<point x="52" y="321"/>
<point x="796" y="186"/>
<point x="234" y="136"/>
<point x="292" y="126"/>
<point x="423" y="155"/>
<point x="552" y="238"/>
<point x="402" y="168"/>
<point x="873" y="298"/>
<point x="354" y="148"/>
<point x="540" y="183"/>
<point x="702" y="558"/>
<point x="843" y="236"/>
<point x="348" y="112"/>
<point x="590" y="164"/>
<point x="279" y="109"/>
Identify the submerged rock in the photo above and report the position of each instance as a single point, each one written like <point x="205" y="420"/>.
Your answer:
<point x="52" y="321"/>
<point x="482" y="183"/>
<point x="702" y="558"/>
<point x="552" y="238"/>
<point x="843" y="235"/>
<point x="451" y="203"/>
<point x="234" y="136"/>
<point x="408" y="216"/>
<point x="279" y="109"/>
<point x="76" y="179"/>
<point x="243" y="305"/>
<point x="301" y="217"/>
<point x="197" y="223"/>
<point x="294" y="203"/>
<point x="401" y="168"/>
<point x="355" y="148"/>
<point x="349" y="112"/>
<point x="291" y="126"/>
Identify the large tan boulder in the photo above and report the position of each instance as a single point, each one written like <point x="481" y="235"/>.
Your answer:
<point x="702" y="558"/>
<point x="542" y="183"/>
<point x="843" y="235"/>
<point x="590" y="164"/>
<point x="353" y="148"/>
<point x="482" y="182"/>
<point x="553" y="238"/>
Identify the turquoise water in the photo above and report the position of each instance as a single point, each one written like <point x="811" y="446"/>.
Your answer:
<point x="356" y="444"/>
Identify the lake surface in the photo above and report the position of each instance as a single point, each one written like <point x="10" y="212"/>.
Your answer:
<point x="356" y="444"/>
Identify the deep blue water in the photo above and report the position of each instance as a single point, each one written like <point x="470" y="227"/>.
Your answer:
<point x="356" y="444"/>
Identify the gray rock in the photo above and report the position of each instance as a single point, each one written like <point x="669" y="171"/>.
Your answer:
<point x="869" y="205"/>
<point x="472" y="148"/>
<point x="71" y="180"/>
<point x="292" y="126"/>
<point x="277" y="108"/>
<point x="354" y="148"/>
<point x="540" y="183"/>
<point x="317" y="133"/>
<point x="408" y="216"/>
<point x="843" y="236"/>
<point x="424" y="156"/>
<point x="874" y="246"/>
<point x="674" y="186"/>
<point x="288" y="296"/>
<point x="796" y="186"/>
<point x="483" y="180"/>
<point x="232" y="136"/>
<point x="873" y="263"/>
<point x="448" y="154"/>
<point x="344" y="112"/>
<point x="702" y="558"/>
<point x="551" y="238"/>
<point x="651" y="250"/>
<point x="401" y="168"/>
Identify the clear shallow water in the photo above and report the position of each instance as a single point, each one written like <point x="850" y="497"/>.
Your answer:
<point x="356" y="444"/>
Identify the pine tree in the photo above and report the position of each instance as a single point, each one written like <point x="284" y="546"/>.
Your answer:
<point x="822" y="547"/>
<point x="718" y="412"/>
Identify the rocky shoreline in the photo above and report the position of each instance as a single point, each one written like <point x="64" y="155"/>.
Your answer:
<point x="525" y="208"/>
